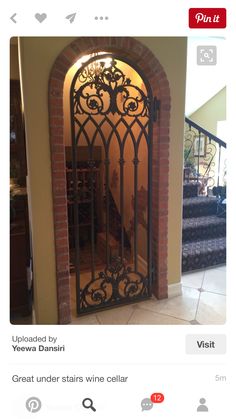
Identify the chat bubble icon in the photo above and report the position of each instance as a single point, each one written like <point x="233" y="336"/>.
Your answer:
<point x="146" y="404"/>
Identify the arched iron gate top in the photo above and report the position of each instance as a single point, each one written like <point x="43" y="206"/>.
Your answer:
<point x="120" y="58"/>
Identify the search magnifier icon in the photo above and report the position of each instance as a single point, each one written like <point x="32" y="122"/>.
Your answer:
<point x="88" y="404"/>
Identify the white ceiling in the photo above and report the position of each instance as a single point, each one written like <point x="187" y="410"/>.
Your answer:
<point x="204" y="81"/>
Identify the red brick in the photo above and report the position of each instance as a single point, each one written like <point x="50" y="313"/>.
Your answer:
<point x="63" y="297"/>
<point x="59" y="191"/>
<point x="57" y="131"/>
<point x="163" y="146"/>
<point x="164" y="131"/>
<point x="58" y="148"/>
<point x="62" y="266"/>
<point x="62" y="242"/>
<point x="60" y="217"/>
<point x="58" y="157"/>
<point x="55" y="111"/>
<point x="56" y="121"/>
<point x="58" y="166"/>
<point x="61" y="234"/>
<point x="56" y="84"/>
<point x="61" y="209"/>
<point x="60" y="201"/>
<point x="62" y="253"/>
<point x="64" y="282"/>
<point x="56" y="103"/>
<point x="57" y="139"/>
<point x="55" y="93"/>
<point x="64" y="274"/>
<point x="59" y="74"/>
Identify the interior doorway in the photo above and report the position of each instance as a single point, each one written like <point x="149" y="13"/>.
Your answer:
<point x="146" y="65"/>
<point x="108" y="149"/>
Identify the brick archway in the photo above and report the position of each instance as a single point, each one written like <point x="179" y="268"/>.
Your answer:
<point x="154" y="72"/>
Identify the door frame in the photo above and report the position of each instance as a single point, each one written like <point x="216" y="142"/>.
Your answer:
<point x="133" y="50"/>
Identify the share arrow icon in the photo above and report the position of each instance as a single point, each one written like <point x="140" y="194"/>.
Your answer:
<point x="71" y="17"/>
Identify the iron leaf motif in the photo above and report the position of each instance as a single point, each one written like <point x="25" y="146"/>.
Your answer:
<point x="118" y="281"/>
<point x="101" y="91"/>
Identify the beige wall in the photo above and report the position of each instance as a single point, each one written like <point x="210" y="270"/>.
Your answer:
<point x="37" y="58"/>
<point x="171" y="52"/>
<point x="14" y="63"/>
<point x="211" y="112"/>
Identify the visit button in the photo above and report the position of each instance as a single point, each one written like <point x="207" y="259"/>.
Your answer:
<point x="206" y="344"/>
<point x="207" y="18"/>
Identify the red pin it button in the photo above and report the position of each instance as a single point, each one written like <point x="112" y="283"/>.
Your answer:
<point x="207" y="18"/>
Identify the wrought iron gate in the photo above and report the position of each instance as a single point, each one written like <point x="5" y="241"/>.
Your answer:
<point x="108" y="108"/>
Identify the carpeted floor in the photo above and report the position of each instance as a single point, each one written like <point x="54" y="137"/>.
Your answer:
<point x="203" y="232"/>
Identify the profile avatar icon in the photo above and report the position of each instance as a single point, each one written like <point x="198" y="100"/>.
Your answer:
<point x="202" y="407"/>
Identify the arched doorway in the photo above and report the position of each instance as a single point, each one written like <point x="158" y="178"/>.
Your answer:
<point x="109" y="178"/>
<point x="130" y="52"/>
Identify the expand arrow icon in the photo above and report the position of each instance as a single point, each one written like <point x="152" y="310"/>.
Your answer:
<point x="12" y="18"/>
<point x="71" y="17"/>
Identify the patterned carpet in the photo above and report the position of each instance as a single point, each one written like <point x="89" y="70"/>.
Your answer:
<point x="199" y="206"/>
<point x="190" y="190"/>
<point x="203" y="233"/>
<point x="200" y="228"/>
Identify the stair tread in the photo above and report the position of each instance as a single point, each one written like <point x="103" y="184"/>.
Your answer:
<point x="199" y="206"/>
<point x="199" y="200"/>
<point x="203" y="246"/>
<point x="197" y="222"/>
<point x="190" y="190"/>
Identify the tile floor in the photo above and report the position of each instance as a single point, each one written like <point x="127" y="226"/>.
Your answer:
<point x="203" y="301"/>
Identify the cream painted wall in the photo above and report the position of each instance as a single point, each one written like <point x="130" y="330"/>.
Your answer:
<point x="171" y="52"/>
<point x="37" y="57"/>
<point x="14" y="63"/>
<point x="211" y="112"/>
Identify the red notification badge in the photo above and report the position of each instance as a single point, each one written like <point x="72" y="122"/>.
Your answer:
<point x="157" y="398"/>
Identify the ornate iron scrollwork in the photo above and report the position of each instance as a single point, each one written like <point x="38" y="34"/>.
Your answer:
<point x="204" y="158"/>
<point x="117" y="283"/>
<point x="200" y="164"/>
<point x="107" y="89"/>
<point x="106" y="106"/>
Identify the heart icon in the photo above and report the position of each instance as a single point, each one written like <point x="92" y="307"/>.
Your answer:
<point x="40" y="17"/>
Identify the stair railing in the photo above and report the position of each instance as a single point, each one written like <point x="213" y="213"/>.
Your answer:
<point x="204" y="157"/>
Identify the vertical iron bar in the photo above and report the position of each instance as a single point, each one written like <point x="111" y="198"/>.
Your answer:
<point x="219" y="161"/>
<point x="91" y="177"/>
<point x="150" y="157"/>
<point x="198" y="156"/>
<point x="76" y="211"/>
<point x="107" y="162"/>
<point x="135" y="161"/>
<point x="121" y="161"/>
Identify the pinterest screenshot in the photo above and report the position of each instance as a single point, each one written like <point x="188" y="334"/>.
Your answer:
<point x="118" y="209"/>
